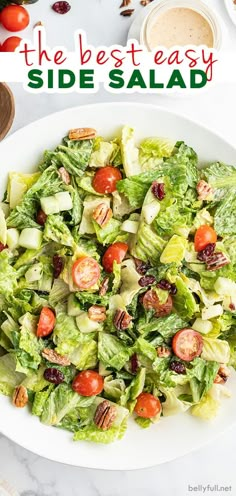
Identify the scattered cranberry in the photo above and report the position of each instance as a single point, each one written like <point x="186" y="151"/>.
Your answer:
<point x="134" y="363"/>
<point x="58" y="265"/>
<point x="2" y="247"/>
<point x="178" y="367"/>
<point x="61" y="7"/>
<point x="203" y="255"/>
<point x="54" y="375"/>
<point x="232" y="306"/>
<point x="146" y="281"/>
<point x="164" y="284"/>
<point x="41" y="217"/>
<point x="141" y="267"/>
<point x="158" y="190"/>
<point x="173" y="289"/>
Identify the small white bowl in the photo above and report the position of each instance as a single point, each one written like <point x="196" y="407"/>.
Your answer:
<point x="196" y="5"/>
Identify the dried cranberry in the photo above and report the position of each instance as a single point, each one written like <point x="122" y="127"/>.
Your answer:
<point x="58" y="264"/>
<point x="173" y="289"/>
<point x="158" y="190"/>
<point x="2" y="247"/>
<point x="141" y="267"/>
<point x="203" y="255"/>
<point x="232" y="306"/>
<point x="41" y="217"/>
<point x="164" y="284"/>
<point x="178" y="367"/>
<point x="146" y="281"/>
<point x="134" y="363"/>
<point x="54" y="375"/>
<point x="61" y="7"/>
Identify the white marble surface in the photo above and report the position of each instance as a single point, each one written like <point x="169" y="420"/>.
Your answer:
<point x="214" y="464"/>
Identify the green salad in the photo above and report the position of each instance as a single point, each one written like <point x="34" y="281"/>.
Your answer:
<point x="117" y="284"/>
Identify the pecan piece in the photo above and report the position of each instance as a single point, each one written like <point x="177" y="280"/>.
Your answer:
<point x="145" y="2"/>
<point x="122" y="320"/>
<point x="82" y="133"/>
<point x="125" y="3"/>
<point x="205" y="191"/>
<point x="104" y="286"/>
<point x="64" y="175"/>
<point x="20" y="397"/>
<point x="216" y="261"/>
<point x="54" y="357"/>
<point x="163" y="352"/>
<point x="102" y="214"/>
<point x="127" y="13"/>
<point x="222" y="375"/>
<point x="97" y="313"/>
<point x="105" y="415"/>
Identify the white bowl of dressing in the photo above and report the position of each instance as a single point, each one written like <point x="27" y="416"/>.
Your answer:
<point x="179" y="23"/>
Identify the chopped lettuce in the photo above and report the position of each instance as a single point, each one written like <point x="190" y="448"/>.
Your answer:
<point x="9" y="378"/>
<point x="129" y="153"/>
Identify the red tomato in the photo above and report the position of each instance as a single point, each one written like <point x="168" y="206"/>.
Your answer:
<point x="105" y="179"/>
<point x="88" y="383"/>
<point x="204" y="235"/>
<point x="147" y="405"/>
<point x="46" y="322"/>
<point x="15" y="18"/>
<point x="85" y="272"/>
<point x="187" y="344"/>
<point x="10" y="44"/>
<point x="115" y="252"/>
<point x="151" y="301"/>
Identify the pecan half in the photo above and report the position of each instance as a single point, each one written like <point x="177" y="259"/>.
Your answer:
<point x="20" y="397"/>
<point x="64" y="175"/>
<point x="105" y="415"/>
<point x="163" y="352"/>
<point x="205" y="191"/>
<point x="145" y="2"/>
<point x="97" y="313"/>
<point x="82" y="133"/>
<point x="102" y="214"/>
<point x="127" y="13"/>
<point x="223" y="375"/>
<point x="125" y="3"/>
<point x="216" y="261"/>
<point x="122" y="320"/>
<point x="53" y="357"/>
<point x="104" y="286"/>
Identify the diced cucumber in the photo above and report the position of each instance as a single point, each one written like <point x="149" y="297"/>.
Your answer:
<point x="13" y="236"/>
<point x="34" y="273"/>
<point x="31" y="238"/>
<point x="73" y="306"/>
<point x="202" y="326"/>
<point x="50" y="205"/>
<point x="85" y="324"/>
<point x="212" y="311"/>
<point x="64" y="200"/>
<point x="224" y="286"/>
<point x="130" y="226"/>
<point x="3" y="228"/>
<point x="150" y="211"/>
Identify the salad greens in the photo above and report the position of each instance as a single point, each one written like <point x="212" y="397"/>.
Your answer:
<point x="120" y="280"/>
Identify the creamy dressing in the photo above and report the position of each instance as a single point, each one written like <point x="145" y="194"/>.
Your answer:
<point x="179" y="26"/>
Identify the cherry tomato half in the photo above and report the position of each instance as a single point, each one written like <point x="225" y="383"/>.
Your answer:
<point x="88" y="383"/>
<point x="10" y="44"/>
<point x="204" y="235"/>
<point x="115" y="252"/>
<point x="151" y="301"/>
<point x="187" y="344"/>
<point x="105" y="179"/>
<point x="46" y="322"/>
<point x="147" y="405"/>
<point x="85" y="272"/>
<point x="15" y="18"/>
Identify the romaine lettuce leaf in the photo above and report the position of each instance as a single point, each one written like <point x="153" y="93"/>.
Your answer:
<point x="111" y="351"/>
<point x="154" y="149"/>
<point x="225" y="215"/>
<point x="110" y="233"/>
<point x="146" y="244"/>
<point x="114" y="387"/>
<point x="129" y="153"/>
<point x="8" y="275"/>
<point x="9" y="378"/>
<point x="215" y="350"/>
<point x="184" y="301"/>
<point x="61" y="400"/>
<point x="102" y="154"/>
<point x="85" y="356"/>
<point x="57" y="230"/>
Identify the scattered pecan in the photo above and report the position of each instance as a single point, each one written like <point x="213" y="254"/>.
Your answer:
<point x="122" y="320"/>
<point x="65" y="176"/>
<point x="39" y="23"/>
<point x="82" y="133"/>
<point x="53" y="357"/>
<point x="222" y="375"/>
<point x="125" y="3"/>
<point x="216" y="261"/>
<point x="163" y="352"/>
<point x="141" y="267"/>
<point x="127" y="13"/>
<point x="105" y="415"/>
<point x="150" y="301"/>
<point x="97" y="313"/>
<point x="145" y="2"/>
<point x="20" y="397"/>
<point x="104" y="286"/>
<point x="205" y="191"/>
<point x="102" y="214"/>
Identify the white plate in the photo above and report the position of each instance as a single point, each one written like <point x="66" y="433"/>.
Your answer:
<point x="173" y="436"/>
<point x="231" y="8"/>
